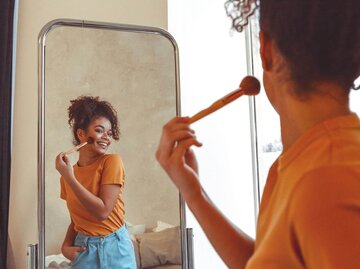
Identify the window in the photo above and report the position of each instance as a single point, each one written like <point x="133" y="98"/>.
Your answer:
<point x="212" y="64"/>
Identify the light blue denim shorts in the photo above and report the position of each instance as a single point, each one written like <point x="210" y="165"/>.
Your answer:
<point x="113" y="251"/>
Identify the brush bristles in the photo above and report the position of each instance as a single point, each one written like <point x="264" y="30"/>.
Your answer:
<point x="250" y="85"/>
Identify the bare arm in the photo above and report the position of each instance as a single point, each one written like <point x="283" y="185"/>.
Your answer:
<point x="232" y="245"/>
<point x="177" y="159"/>
<point x="99" y="206"/>
<point x="68" y="249"/>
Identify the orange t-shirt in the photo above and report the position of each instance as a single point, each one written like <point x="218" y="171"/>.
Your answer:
<point x="310" y="210"/>
<point x="108" y="169"/>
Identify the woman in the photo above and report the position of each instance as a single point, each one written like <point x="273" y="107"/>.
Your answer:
<point x="97" y="236"/>
<point x="310" y="210"/>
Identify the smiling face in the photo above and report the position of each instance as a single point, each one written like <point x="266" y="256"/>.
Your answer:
<point x="100" y="131"/>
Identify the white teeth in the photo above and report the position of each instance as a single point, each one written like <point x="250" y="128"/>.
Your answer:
<point x="102" y="144"/>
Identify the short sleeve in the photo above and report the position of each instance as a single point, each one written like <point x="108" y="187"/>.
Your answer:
<point x="325" y="215"/>
<point x="113" y="170"/>
<point x="62" y="189"/>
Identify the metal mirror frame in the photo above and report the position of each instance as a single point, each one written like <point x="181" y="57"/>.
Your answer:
<point x="36" y="253"/>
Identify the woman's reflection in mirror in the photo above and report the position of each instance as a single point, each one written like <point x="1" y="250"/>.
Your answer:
<point x="309" y="214"/>
<point x="93" y="187"/>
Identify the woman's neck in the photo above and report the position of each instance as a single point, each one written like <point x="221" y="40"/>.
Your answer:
<point x="86" y="159"/>
<point x="297" y="116"/>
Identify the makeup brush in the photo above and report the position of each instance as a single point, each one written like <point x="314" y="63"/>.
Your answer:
<point x="248" y="86"/>
<point x="76" y="148"/>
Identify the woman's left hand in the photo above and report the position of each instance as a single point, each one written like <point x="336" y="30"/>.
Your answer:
<point x="176" y="157"/>
<point x="63" y="165"/>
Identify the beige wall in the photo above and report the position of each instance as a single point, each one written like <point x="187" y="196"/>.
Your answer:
<point x="33" y="15"/>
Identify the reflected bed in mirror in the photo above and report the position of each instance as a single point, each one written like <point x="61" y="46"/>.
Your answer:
<point x="135" y="68"/>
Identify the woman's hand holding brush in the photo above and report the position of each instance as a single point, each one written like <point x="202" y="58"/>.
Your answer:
<point x="176" y="157"/>
<point x="174" y="153"/>
<point x="62" y="162"/>
<point x="63" y="165"/>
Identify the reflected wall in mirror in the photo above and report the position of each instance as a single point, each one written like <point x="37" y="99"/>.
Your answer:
<point x="136" y="71"/>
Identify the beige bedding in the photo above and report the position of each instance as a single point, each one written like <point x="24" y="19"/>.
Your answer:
<point x="165" y="266"/>
<point x="155" y="250"/>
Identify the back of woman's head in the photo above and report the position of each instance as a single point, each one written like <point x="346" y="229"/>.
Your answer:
<point x="319" y="39"/>
<point x="84" y="109"/>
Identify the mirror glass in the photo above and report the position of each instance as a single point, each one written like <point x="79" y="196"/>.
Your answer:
<point x="136" y="72"/>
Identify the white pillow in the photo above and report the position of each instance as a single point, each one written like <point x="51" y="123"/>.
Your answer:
<point x="56" y="259"/>
<point x="135" y="229"/>
<point x="162" y="226"/>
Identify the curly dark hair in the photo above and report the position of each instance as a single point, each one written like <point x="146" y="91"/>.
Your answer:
<point x="239" y="11"/>
<point x="320" y="39"/>
<point x="84" y="109"/>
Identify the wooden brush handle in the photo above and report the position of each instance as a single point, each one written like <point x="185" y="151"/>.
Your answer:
<point x="76" y="148"/>
<point x="217" y="105"/>
<point x="206" y="111"/>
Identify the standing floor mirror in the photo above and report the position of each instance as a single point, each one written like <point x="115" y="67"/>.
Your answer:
<point x="136" y="69"/>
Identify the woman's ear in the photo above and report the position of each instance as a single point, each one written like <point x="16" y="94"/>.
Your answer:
<point x="80" y="133"/>
<point x="266" y="52"/>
